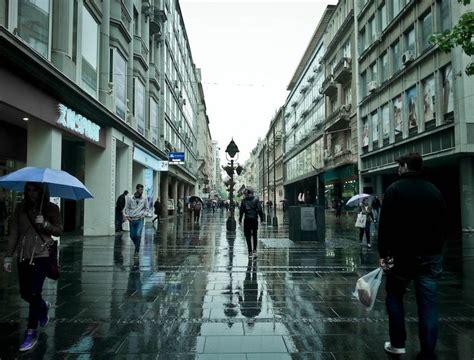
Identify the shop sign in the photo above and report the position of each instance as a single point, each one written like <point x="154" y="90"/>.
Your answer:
<point x="148" y="160"/>
<point x="176" y="158"/>
<point x="78" y="123"/>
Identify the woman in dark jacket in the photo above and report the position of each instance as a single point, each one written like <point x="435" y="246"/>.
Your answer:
<point x="34" y="221"/>
<point x="365" y="209"/>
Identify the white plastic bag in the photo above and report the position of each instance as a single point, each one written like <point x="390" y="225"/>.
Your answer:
<point x="367" y="287"/>
<point x="361" y="220"/>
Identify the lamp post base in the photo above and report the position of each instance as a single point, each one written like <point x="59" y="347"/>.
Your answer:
<point x="231" y="224"/>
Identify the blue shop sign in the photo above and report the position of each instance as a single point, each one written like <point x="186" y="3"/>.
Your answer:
<point x="176" y="158"/>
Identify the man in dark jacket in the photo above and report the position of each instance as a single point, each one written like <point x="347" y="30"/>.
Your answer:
<point x="119" y="206"/>
<point x="251" y="207"/>
<point x="410" y="240"/>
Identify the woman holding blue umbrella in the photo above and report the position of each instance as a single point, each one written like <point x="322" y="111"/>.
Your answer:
<point x="34" y="221"/>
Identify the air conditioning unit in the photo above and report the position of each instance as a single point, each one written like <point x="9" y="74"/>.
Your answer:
<point x="372" y="86"/>
<point x="408" y="57"/>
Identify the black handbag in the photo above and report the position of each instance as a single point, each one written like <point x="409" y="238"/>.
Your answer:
<point x="53" y="268"/>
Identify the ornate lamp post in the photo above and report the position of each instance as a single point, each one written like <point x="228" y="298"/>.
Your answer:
<point x="232" y="154"/>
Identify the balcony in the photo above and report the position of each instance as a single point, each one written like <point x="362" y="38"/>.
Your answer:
<point x="156" y="20"/>
<point x="339" y="119"/>
<point x="140" y="51"/>
<point x="343" y="71"/>
<point x="329" y="86"/>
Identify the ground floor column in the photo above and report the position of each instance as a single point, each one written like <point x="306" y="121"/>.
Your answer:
<point x="174" y="194"/>
<point x="164" y="194"/>
<point x="181" y="190"/>
<point x="99" y="212"/>
<point x="466" y="168"/>
<point x="44" y="145"/>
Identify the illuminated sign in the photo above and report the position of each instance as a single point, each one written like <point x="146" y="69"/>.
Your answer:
<point x="78" y="123"/>
<point x="176" y="158"/>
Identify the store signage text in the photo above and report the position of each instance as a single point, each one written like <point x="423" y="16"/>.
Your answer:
<point x="78" y="123"/>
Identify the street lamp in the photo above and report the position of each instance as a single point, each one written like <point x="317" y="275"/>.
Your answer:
<point x="232" y="154"/>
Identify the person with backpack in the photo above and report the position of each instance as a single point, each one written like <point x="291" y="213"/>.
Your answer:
<point x="119" y="206"/>
<point x="251" y="207"/>
<point x="157" y="210"/>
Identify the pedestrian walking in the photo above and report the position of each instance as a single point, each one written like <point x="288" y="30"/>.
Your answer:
<point x="376" y="208"/>
<point x="135" y="211"/>
<point x="251" y="207"/>
<point x="119" y="206"/>
<point x="197" y="211"/>
<point x="157" y="210"/>
<point x="366" y="210"/>
<point x="411" y="235"/>
<point x="34" y="221"/>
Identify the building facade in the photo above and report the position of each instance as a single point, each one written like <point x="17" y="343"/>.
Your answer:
<point x="413" y="97"/>
<point x="104" y="90"/>
<point x="304" y="123"/>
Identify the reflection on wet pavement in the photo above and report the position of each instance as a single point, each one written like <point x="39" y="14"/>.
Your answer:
<point x="195" y="294"/>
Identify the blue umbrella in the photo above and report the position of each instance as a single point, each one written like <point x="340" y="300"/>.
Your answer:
<point x="60" y="183"/>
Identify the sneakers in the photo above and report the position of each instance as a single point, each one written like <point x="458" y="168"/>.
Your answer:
<point x="393" y="350"/>
<point x="44" y="318"/>
<point x="30" y="340"/>
<point x="369" y="246"/>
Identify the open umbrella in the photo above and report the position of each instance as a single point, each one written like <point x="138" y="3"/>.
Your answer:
<point x="195" y="198"/>
<point x="356" y="199"/>
<point x="60" y="183"/>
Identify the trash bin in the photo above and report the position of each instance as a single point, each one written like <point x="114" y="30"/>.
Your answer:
<point x="306" y="223"/>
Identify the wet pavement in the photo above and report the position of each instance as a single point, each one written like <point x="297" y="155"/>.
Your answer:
<point x="194" y="294"/>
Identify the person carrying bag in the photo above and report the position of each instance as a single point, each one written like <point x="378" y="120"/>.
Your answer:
<point x="31" y="242"/>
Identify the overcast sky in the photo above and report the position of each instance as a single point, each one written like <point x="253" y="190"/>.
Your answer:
<point x="247" y="51"/>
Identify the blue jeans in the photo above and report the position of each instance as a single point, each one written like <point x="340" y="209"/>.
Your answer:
<point x="136" y="227"/>
<point x="425" y="272"/>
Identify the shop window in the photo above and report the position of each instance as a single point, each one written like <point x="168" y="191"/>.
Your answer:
<point x="33" y="24"/>
<point x="4" y="13"/>
<point x="365" y="132"/>
<point x="385" y="124"/>
<point x="397" y="117"/>
<point x="90" y="39"/>
<point x="375" y="128"/>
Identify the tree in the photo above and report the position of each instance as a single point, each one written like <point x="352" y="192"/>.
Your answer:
<point x="462" y="34"/>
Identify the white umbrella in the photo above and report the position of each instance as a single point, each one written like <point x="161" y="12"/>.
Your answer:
<point x="356" y="199"/>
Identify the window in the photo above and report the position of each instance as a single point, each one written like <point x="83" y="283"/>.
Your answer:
<point x="119" y="79"/>
<point x="371" y="31"/>
<point x="410" y="40"/>
<point x="375" y="127"/>
<point x="383" y="16"/>
<point x="429" y="99"/>
<point x="33" y="24"/>
<point x="385" y="121"/>
<point x="397" y="114"/>
<point x="362" y="40"/>
<point x="373" y="72"/>
<point x="4" y="13"/>
<point x="396" y="57"/>
<point x="90" y="33"/>
<point x="365" y="132"/>
<point x="346" y="50"/>
<point x="385" y="70"/>
<point x="363" y="84"/>
<point x="154" y="121"/>
<point x="426" y="30"/>
<point x="139" y="105"/>
<point x="412" y="113"/>
<point x="445" y="19"/>
<point x="136" y="22"/>
<point x="396" y="7"/>
<point x="447" y="89"/>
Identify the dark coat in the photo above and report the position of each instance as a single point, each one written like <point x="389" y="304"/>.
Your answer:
<point x="251" y="207"/>
<point x="120" y="205"/>
<point x="412" y="219"/>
